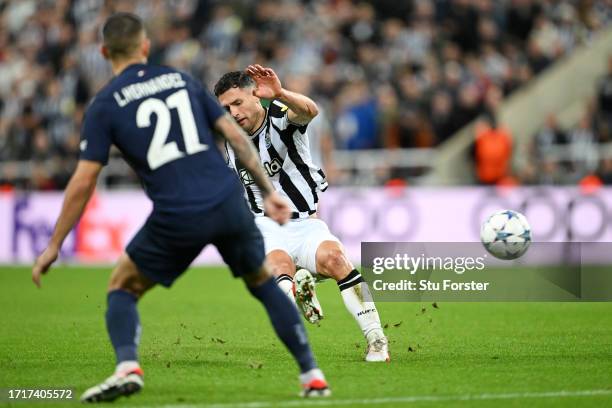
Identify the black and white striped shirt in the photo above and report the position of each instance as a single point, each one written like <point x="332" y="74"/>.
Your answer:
<point x="285" y="155"/>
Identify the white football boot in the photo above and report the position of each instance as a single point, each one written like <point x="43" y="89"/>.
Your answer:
<point x="306" y="297"/>
<point x="378" y="348"/>
<point x="314" y="384"/>
<point x="122" y="383"/>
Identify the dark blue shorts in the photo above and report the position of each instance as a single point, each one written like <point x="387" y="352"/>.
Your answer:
<point x="168" y="243"/>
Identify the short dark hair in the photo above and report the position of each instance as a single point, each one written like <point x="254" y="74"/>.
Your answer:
<point x="121" y="34"/>
<point x="234" y="79"/>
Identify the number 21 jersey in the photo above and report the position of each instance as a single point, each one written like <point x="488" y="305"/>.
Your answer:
<point x="161" y="120"/>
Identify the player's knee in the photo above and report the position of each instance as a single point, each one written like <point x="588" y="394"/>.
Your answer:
<point x="332" y="262"/>
<point x="281" y="268"/>
<point x="256" y="278"/>
<point x="279" y="263"/>
<point x="126" y="277"/>
<point x="127" y="284"/>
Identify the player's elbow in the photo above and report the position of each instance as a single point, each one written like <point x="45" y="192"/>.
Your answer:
<point x="314" y="111"/>
<point x="83" y="182"/>
<point x="87" y="172"/>
<point x="307" y="115"/>
<point x="82" y="185"/>
<point x="230" y="130"/>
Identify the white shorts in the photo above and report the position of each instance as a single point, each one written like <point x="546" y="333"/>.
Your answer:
<point x="299" y="238"/>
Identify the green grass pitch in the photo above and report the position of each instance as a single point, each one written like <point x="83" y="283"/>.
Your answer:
<point x="206" y="341"/>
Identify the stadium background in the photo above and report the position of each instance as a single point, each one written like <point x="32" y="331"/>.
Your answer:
<point x="427" y="95"/>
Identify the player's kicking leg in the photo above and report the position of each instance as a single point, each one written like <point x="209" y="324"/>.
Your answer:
<point x="127" y="285"/>
<point x="298" y="286"/>
<point x="281" y="266"/>
<point x="331" y="261"/>
<point x="289" y="328"/>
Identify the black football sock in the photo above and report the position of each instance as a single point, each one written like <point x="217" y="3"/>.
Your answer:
<point x="286" y="322"/>
<point x="123" y="324"/>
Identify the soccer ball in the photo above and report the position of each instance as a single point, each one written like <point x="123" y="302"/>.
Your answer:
<point x="506" y="234"/>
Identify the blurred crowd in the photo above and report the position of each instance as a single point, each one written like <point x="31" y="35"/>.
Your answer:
<point x="571" y="155"/>
<point x="385" y="73"/>
<point x="577" y="154"/>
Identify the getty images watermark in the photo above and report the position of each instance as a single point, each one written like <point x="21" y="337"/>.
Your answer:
<point x="413" y="264"/>
<point x="570" y="271"/>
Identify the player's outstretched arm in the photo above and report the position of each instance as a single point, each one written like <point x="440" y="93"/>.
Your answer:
<point x="275" y="206"/>
<point x="302" y="109"/>
<point x="78" y="192"/>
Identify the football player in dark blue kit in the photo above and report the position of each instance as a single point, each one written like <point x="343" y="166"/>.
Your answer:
<point x="162" y="121"/>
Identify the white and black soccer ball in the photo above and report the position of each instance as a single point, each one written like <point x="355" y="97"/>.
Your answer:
<point x="506" y="234"/>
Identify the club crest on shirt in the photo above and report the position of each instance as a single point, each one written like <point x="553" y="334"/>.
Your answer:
<point x="268" y="141"/>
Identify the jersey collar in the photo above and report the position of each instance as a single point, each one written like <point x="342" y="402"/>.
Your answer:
<point x="263" y="125"/>
<point x="134" y="66"/>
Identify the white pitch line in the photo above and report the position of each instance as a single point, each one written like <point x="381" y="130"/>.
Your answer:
<point x="395" y="400"/>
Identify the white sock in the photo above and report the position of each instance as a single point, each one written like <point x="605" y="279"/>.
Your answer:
<point x="285" y="282"/>
<point x="358" y="301"/>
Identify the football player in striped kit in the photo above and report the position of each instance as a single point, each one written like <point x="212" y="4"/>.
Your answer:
<point x="279" y="132"/>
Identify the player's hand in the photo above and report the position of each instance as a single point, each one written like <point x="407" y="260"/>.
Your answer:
<point x="277" y="208"/>
<point x="43" y="262"/>
<point x="267" y="84"/>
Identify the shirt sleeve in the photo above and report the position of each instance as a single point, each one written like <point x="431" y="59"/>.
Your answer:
<point x="281" y="111"/>
<point x="96" y="138"/>
<point x="212" y="109"/>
